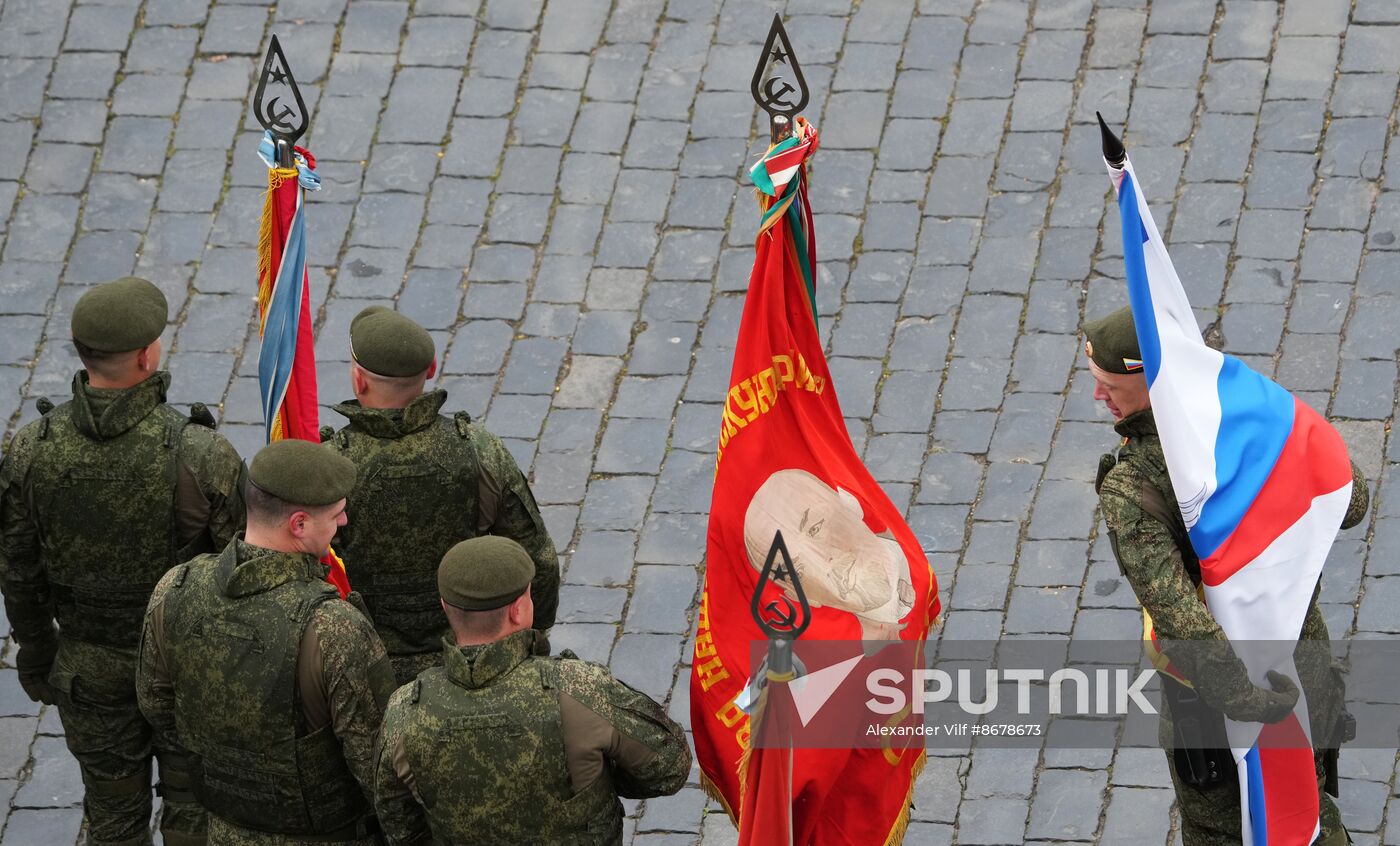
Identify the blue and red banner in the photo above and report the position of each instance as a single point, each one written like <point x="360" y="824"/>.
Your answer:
<point x="287" y="352"/>
<point x="286" y="355"/>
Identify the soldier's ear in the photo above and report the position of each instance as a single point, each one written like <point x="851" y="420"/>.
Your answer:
<point x="522" y="611"/>
<point x="148" y="357"/>
<point x="358" y="383"/>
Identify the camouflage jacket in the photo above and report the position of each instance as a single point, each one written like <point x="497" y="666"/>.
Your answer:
<point x="196" y="508"/>
<point x="502" y="747"/>
<point x="425" y="482"/>
<point x="342" y="678"/>
<point x="1165" y="576"/>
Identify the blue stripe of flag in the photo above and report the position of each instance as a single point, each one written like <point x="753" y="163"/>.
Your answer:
<point x="1135" y="267"/>
<point x="1256" y="418"/>
<point x="278" y="350"/>
<point x="1258" y="814"/>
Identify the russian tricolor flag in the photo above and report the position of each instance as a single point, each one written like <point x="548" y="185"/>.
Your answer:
<point x="1263" y="482"/>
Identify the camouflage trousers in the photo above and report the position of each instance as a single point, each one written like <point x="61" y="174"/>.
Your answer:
<point x="224" y="833"/>
<point x="114" y="746"/>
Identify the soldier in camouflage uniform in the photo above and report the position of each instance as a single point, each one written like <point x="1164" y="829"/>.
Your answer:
<point x="425" y="481"/>
<point x="98" y="499"/>
<point x="505" y="747"/>
<point x="1153" y="549"/>
<point x="251" y="662"/>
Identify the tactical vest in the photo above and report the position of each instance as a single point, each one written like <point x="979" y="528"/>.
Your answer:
<point x="414" y="498"/>
<point x="233" y="661"/>
<point x="487" y="759"/>
<point x="106" y="512"/>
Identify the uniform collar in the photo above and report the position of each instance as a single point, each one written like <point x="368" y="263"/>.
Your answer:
<point x="394" y="422"/>
<point x="105" y="413"/>
<point x="1137" y="425"/>
<point x="480" y="665"/>
<point x="243" y="569"/>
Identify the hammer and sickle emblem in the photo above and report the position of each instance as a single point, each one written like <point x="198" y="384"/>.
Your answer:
<point x="782" y="616"/>
<point x="278" y="119"/>
<point x="777" y="98"/>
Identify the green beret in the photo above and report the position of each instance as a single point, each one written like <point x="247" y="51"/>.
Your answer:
<point x="302" y="473"/>
<point x="1111" y="342"/>
<point x="485" y="573"/>
<point x="387" y="343"/>
<point x="366" y="312"/>
<point x="120" y="316"/>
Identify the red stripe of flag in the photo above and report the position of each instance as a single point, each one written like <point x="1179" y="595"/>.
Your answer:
<point x="1290" y="790"/>
<point x="1313" y="463"/>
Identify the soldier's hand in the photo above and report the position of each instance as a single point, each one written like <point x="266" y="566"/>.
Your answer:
<point x="36" y="687"/>
<point x="33" y="662"/>
<point x="1269" y="705"/>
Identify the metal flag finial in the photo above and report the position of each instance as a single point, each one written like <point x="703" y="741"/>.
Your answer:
<point x="1113" y="151"/>
<point x="278" y="104"/>
<point x="781" y="618"/>
<point x="778" y="85"/>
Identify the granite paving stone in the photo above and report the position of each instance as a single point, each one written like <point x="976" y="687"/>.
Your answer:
<point x="1360" y="94"/>
<point x="1281" y="180"/>
<point x="1235" y="86"/>
<point x="1344" y="205"/>
<point x="1330" y="256"/>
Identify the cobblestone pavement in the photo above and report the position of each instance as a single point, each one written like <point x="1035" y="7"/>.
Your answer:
<point x="581" y="162"/>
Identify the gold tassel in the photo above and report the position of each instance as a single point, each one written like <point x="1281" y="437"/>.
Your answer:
<point x="275" y="177"/>
<point x="265" y="255"/>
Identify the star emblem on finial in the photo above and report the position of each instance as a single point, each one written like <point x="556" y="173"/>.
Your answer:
<point x="281" y="111"/>
<point x="779" y="91"/>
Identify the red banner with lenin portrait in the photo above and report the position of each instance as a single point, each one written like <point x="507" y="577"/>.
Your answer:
<point x="786" y="463"/>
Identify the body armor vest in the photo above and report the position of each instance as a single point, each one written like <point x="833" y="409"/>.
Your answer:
<point x="415" y="497"/>
<point x="233" y="662"/>
<point x="471" y="749"/>
<point x="106" y="512"/>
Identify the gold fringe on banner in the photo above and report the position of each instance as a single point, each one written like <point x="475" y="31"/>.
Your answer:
<point x="275" y="177"/>
<point x="712" y="791"/>
<point x="901" y="823"/>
